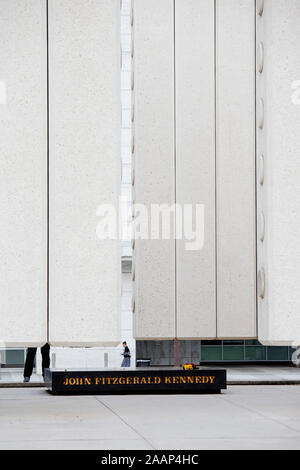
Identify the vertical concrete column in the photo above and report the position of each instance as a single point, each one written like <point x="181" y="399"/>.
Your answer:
<point x="84" y="155"/>
<point x="23" y="173"/>
<point x="195" y="165"/>
<point x="235" y="169"/>
<point x="153" y="164"/>
<point x="278" y="170"/>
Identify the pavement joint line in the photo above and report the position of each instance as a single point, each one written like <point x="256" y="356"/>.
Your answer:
<point x="231" y="438"/>
<point x="66" y="440"/>
<point x="125" y="422"/>
<point x="251" y="410"/>
<point x="231" y="382"/>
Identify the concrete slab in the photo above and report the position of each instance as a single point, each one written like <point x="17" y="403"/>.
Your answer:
<point x="104" y="444"/>
<point x="195" y="417"/>
<point x="229" y="444"/>
<point x="58" y="420"/>
<point x="241" y="418"/>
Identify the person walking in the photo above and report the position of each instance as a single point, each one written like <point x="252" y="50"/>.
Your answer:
<point x="126" y="355"/>
<point x="31" y="353"/>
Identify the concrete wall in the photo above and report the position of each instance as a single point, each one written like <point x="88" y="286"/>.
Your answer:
<point x="195" y="162"/>
<point x="205" y="58"/>
<point x="85" y="170"/>
<point x="235" y="169"/>
<point x="23" y="173"/>
<point x="278" y="147"/>
<point x="193" y="110"/>
<point x="153" y="163"/>
<point x="66" y="357"/>
<point x="82" y="145"/>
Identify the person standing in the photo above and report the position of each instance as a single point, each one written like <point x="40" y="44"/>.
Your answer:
<point x="126" y="355"/>
<point x="31" y="353"/>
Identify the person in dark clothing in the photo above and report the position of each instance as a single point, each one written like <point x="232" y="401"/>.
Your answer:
<point x="126" y="354"/>
<point x="31" y="353"/>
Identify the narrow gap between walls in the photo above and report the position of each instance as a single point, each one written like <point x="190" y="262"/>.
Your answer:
<point x="216" y="174"/>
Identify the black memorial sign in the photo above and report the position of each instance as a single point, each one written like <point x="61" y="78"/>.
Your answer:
<point x="136" y="381"/>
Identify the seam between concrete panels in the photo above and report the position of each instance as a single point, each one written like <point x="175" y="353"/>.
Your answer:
<point x="215" y="143"/>
<point x="175" y="170"/>
<point x="103" y="403"/>
<point x="255" y="167"/>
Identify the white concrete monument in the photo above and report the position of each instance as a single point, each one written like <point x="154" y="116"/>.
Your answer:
<point x="195" y="163"/>
<point x="60" y="161"/>
<point x="216" y="118"/>
<point x="85" y="172"/>
<point x="278" y="167"/>
<point x="200" y="147"/>
<point x="23" y="173"/>
<point x="209" y="128"/>
<point x="153" y="164"/>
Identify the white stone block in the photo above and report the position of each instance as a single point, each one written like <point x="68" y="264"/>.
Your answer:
<point x="235" y="173"/>
<point x="278" y="149"/>
<point x="85" y="114"/>
<point x="23" y="173"/>
<point x="154" y="260"/>
<point x="195" y="164"/>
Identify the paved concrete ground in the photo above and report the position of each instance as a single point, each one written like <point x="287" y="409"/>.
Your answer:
<point x="244" y="417"/>
<point x="236" y="375"/>
<point x="263" y="374"/>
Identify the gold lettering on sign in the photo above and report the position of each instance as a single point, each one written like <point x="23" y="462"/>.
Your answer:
<point x="128" y="380"/>
<point x="72" y="381"/>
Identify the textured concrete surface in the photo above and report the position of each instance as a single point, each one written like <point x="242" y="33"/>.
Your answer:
<point x="241" y="418"/>
<point x="153" y="164"/>
<point x="235" y="169"/>
<point x="23" y="173"/>
<point x="278" y="35"/>
<point x="195" y="164"/>
<point x="85" y="271"/>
